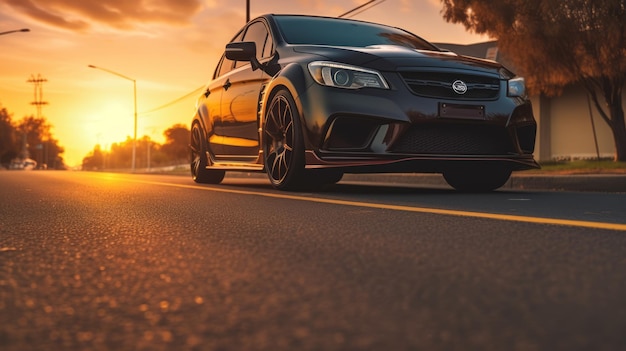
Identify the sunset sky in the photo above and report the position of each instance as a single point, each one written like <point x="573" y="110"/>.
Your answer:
<point x="170" y="47"/>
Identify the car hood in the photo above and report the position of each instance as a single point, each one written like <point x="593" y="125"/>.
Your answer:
<point x="392" y="57"/>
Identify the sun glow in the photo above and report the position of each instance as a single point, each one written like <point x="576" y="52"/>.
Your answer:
<point x="110" y="124"/>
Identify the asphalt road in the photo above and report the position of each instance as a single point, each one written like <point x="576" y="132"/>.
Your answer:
<point x="96" y="261"/>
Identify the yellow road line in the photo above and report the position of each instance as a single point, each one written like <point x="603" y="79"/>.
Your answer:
<point x="502" y="217"/>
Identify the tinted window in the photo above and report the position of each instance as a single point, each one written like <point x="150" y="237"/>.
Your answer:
<point x="258" y="34"/>
<point x="224" y="67"/>
<point x="269" y="47"/>
<point x="338" y="32"/>
<point x="225" y="64"/>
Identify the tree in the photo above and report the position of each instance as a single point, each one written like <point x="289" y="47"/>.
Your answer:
<point x="39" y="142"/>
<point x="95" y="160"/>
<point x="50" y="152"/>
<point x="559" y="42"/>
<point x="8" y="144"/>
<point x="148" y="152"/>
<point x="176" y="145"/>
<point x="121" y="154"/>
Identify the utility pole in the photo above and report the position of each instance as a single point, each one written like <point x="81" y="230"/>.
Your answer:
<point x="38" y="102"/>
<point x="38" y="82"/>
<point x="247" y="11"/>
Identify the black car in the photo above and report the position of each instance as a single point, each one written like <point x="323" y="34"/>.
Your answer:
<point x="306" y="99"/>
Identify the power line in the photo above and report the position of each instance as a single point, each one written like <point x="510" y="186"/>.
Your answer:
<point x="361" y="7"/>
<point x="365" y="9"/>
<point x="173" y="101"/>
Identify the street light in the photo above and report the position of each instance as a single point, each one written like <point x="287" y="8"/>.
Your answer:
<point x="135" y="99"/>
<point x="15" y="31"/>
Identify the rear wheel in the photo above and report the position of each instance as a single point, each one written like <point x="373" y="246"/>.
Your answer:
<point x="198" y="146"/>
<point x="282" y="143"/>
<point x="477" y="179"/>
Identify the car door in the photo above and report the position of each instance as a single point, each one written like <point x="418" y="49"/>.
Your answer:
<point x="240" y="100"/>
<point x="212" y="100"/>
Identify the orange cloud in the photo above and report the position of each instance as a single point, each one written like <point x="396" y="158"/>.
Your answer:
<point x="120" y="14"/>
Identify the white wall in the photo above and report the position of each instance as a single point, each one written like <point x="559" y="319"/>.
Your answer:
<point x="565" y="129"/>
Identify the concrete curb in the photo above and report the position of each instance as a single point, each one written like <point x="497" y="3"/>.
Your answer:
<point x="574" y="182"/>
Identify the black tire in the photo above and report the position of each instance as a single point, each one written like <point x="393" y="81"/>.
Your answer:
<point x="199" y="172"/>
<point x="478" y="179"/>
<point x="283" y="144"/>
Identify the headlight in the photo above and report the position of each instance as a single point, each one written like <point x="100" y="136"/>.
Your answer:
<point x="345" y="76"/>
<point x="517" y="87"/>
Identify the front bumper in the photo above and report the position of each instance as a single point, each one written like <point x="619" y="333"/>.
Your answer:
<point x="375" y="130"/>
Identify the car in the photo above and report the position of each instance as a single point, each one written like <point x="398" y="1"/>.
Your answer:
<point x="26" y="164"/>
<point x="306" y="99"/>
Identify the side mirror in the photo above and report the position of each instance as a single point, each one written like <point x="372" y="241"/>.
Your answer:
<point x="243" y="51"/>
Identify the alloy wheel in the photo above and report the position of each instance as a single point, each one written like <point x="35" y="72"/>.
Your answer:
<point x="198" y="164"/>
<point x="279" y="128"/>
<point x="196" y="151"/>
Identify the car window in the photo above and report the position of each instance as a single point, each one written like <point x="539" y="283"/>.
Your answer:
<point x="225" y="65"/>
<point x="340" y="32"/>
<point x="269" y="47"/>
<point x="257" y="32"/>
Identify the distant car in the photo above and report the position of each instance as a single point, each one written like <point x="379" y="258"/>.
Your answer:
<point x="26" y="164"/>
<point x="306" y="99"/>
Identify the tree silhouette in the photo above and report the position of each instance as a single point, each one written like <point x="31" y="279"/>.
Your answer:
<point x="95" y="160"/>
<point x="8" y="145"/>
<point x="32" y="134"/>
<point x="176" y="145"/>
<point x="150" y="154"/>
<point x="40" y="144"/>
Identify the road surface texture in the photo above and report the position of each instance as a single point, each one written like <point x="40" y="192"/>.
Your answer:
<point x="99" y="261"/>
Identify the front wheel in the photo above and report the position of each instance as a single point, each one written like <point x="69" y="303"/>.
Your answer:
<point x="198" y="165"/>
<point x="477" y="179"/>
<point x="282" y="143"/>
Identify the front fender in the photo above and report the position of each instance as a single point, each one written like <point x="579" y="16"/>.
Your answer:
<point x="293" y="78"/>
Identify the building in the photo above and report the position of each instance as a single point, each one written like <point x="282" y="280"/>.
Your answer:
<point x="568" y="126"/>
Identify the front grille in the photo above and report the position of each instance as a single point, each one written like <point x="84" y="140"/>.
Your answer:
<point x="439" y="85"/>
<point x="446" y="139"/>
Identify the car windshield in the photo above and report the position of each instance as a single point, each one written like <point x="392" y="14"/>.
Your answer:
<point x="339" y="32"/>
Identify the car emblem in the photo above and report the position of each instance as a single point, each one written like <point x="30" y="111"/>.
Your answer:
<point x="459" y="87"/>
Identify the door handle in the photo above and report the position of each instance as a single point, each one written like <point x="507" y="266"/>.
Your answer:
<point x="207" y="93"/>
<point x="227" y="84"/>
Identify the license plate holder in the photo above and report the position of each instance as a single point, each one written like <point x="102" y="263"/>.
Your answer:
<point x="459" y="111"/>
